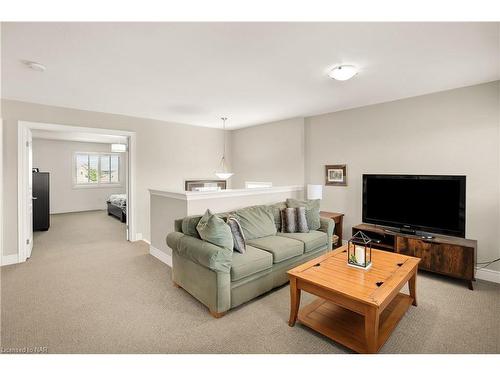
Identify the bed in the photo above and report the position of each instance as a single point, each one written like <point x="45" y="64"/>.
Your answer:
<point x="117" y="206"/>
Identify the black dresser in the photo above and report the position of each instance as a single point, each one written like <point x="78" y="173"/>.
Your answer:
<point x="41" y="207"/>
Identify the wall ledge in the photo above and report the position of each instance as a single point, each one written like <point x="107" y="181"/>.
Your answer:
<point x="198" y="195"/>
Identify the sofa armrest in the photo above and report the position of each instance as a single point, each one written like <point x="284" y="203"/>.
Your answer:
<point x="201" y="252"/>
<point x="327" y="225"/>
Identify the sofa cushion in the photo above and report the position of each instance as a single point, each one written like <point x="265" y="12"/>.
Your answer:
<point x="256" y="222"/>
<point x="213" y="229"/>
<point x="282" y="248"/>
<point x="252" y="261"/>
<point x="312" y="211"/>
<point x="312" y="240"/>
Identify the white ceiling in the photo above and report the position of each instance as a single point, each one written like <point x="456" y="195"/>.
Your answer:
<point x="252" y="72"/>
<point x="78" y="136"/>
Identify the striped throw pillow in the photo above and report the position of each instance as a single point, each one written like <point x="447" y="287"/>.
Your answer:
<point x="293" y="220"/>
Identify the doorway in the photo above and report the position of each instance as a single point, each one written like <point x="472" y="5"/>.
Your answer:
<point x="101" y="160"/>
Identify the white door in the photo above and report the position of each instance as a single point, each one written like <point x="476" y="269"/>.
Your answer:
<point x="29" y="193"/>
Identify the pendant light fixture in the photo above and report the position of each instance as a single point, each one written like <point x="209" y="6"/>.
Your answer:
<point x="222" y="172"/>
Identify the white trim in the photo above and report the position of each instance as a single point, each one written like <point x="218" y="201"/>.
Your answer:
<point x="138" y="237"/>
<point x="488" y="275"/>
<point x="169" y="194"/>
<point x="165" y="258"/>
<point x="130" y="188"/>
<point x="23" y="126"/>
<point x="260" y="184"/>
<point x="147" y="241"/>
<point x="22" y="138"/>
<point x="198" y="195"/>
<point x="78" y="129"/>
<point x="1" y="188"/>
<point x="9" y="259"/>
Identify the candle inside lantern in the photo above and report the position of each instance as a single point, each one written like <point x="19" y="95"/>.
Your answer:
<point x="359" y="252"/>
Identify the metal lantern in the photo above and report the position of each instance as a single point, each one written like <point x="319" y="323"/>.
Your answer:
<point x="359" y="251"/>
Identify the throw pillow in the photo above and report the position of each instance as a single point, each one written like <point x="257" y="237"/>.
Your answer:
<point x="189" y="224"/>
<point x="288" y="220"/>
<point x="293" y="220"/>
<point x="276" y="210"/>
<point x="312" y="211"/>
<point x="302" y="226"/>
<point x="213" y="229"/>
<point x="238" y="236"/>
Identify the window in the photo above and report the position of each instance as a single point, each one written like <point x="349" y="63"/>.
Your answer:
<point x="257" y="185"/>
<point x="93" y="169"/>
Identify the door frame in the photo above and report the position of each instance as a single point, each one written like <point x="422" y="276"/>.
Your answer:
<point x="23" y="175"/>
<point x="1" y="192"/>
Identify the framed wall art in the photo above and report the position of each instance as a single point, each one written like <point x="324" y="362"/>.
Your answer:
<point x="205" y="185"/>
<point x="336" y="175"/>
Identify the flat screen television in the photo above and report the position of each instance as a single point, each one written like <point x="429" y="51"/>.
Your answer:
<point x="414" y="203"/>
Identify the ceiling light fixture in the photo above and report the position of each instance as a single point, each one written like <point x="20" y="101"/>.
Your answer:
<point x="222" y="172"/>
<point x="35" y="66"/>
<point x="343" y="72"/>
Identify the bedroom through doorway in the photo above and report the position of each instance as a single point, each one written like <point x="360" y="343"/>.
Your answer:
<point x="77" y="192"/>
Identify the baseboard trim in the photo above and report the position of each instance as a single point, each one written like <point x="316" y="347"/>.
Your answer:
<point x="165" y="258"/>
<point x="488" y="275"/>
<point x="10" y="259"/>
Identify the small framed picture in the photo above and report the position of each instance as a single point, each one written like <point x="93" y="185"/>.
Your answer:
<point x="205" y="185"/>
<point x="336" y="175"/>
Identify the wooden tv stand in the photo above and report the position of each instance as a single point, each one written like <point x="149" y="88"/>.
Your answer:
<point x="446" y="255"/>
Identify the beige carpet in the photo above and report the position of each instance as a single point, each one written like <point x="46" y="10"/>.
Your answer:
<point x="86" y="290"/>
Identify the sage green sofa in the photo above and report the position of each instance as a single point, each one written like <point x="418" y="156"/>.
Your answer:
<point x="222" y="279"/>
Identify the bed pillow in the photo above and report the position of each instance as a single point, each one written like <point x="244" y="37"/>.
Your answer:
<point x="213" y="229"/>
<point x="312" y="211"/>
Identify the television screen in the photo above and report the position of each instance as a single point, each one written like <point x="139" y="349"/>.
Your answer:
<point x="418" y="202"/>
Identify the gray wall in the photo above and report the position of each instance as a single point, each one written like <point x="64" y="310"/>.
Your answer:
<point x="57" y="158"/>
<point x="451" y="132"/>
<point x="167" y="153"/>
<point x="272" y="152"/>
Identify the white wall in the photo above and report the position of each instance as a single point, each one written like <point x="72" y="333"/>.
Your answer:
<point x="166" y="154"/>
<point x="451" y="132"/>
<point x="57" y="158"/>
<point x="272" y="152"/>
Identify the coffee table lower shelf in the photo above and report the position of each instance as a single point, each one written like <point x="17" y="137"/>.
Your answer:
<point x="347" y="327"/>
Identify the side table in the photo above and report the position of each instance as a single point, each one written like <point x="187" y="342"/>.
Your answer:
<point x="338" y="218"/>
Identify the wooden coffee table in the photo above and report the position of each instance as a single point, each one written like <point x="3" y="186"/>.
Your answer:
<point x="357" y="308"/>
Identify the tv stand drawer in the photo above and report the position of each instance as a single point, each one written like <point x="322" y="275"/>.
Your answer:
<point x="417" y="248"/>
<point x="443" y="258"/>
